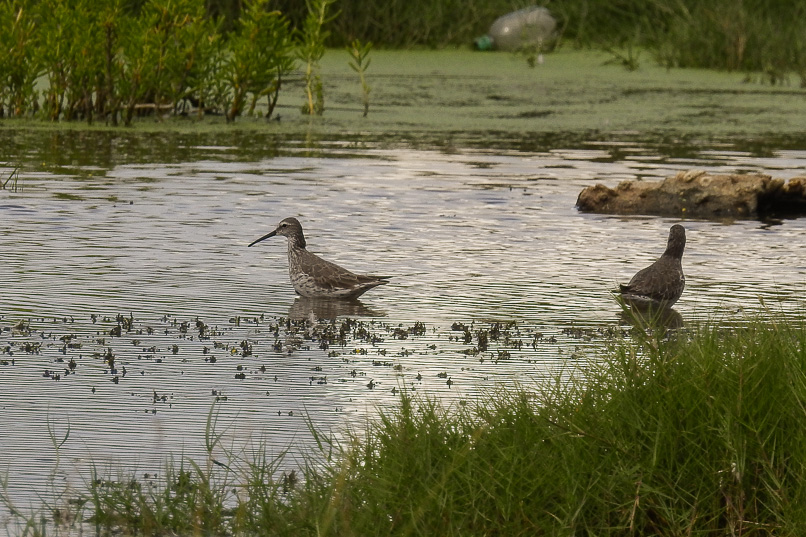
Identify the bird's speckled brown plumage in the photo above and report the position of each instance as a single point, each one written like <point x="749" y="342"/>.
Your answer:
<point x="661" y="283"/>
<point x="311" y="275"/>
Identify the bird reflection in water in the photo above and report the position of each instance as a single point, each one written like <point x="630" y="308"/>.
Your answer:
<point x="330" y="308"/>
<point x="647" y="318"/>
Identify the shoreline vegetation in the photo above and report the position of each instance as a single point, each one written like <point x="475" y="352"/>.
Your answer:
<point x="463" y="98"/>
<point x="697" y="431"/>
<point x="114" y="61"/>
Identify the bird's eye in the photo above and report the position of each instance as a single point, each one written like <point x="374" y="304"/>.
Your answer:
<point x="283" y="224"/>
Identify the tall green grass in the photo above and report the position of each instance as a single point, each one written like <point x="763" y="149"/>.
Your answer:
<point x="17" y="59"/>
<point x="101" y="60"/>
<point x="697" y="432"/>
<point x="760" y="36"/>
<point x="398" y="23"/>
<point x="112" y="59"/>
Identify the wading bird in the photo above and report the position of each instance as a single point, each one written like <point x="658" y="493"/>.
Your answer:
<point x="311" y="275"/>
<point x="661" y="283"/>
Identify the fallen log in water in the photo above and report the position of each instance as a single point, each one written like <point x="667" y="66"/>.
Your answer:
<point x="697" y="194"/>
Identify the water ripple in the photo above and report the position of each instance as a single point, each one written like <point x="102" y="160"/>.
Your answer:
<point x="473" y="237"/>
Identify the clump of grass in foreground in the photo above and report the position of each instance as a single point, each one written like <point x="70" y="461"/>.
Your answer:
<point x="697" y="434"/>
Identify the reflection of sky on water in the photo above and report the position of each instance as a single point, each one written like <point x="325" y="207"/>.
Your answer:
<point x="467" y="237"/>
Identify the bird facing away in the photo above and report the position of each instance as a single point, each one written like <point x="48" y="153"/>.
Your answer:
<point x="662" y="282"/>
<point x="311" y="275"/>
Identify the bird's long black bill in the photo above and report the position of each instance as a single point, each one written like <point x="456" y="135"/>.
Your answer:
<point x="264" y="237"/>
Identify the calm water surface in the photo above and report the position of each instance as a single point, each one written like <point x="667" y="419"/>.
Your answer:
<point x="469" y="236"/>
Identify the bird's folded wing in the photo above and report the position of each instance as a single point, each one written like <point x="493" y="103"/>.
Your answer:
<point x="653" y="284"/>
<point x="328" y="275"/>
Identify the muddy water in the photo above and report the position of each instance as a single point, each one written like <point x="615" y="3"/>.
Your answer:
<point x="131" y="305"/>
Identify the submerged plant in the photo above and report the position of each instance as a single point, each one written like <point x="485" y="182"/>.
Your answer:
<point x="360" y="63"/>
<point x="13" y="178"/>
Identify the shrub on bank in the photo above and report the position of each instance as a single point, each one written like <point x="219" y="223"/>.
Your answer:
<point x="114" y="59"/>
<point x="97" y="60"/>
